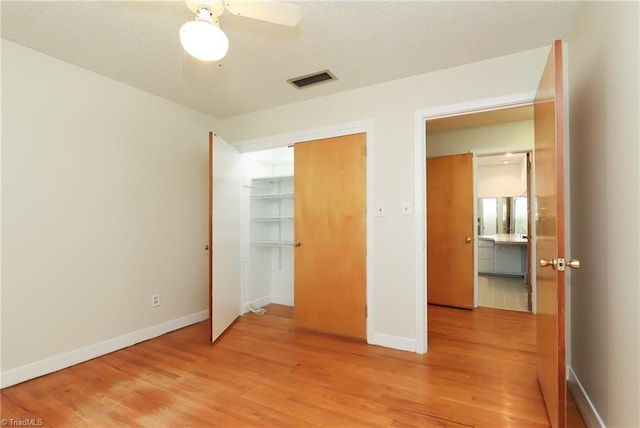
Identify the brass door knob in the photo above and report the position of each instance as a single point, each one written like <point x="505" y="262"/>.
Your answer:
<point x="297" y="244"/>
<point x="560" y="263"/>
<point x="467" y="240"/>
<point x="545" y="263"/>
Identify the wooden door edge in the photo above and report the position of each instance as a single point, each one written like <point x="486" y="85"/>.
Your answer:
<point x="210" y="254"/>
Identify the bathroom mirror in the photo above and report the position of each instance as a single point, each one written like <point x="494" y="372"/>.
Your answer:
<point x="502" y="215"/>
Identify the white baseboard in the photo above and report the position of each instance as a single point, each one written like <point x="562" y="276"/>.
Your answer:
<point x="394" y="342"/>
<point x="282" y="300"/>
<point x="258" y="303"/>
<point x="585" y="406"/>
<point x="71" y="358"/>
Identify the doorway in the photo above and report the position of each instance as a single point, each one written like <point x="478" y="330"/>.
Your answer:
<point x="501" y="141"/>
<point x="502" y="225"/>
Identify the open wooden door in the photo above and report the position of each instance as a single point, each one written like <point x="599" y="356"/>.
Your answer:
<point x="450" y="230"/>
<point x="209" y="246"/>
<point x="225" y="185"/>
<point x="550" y="236"/>
<point x="527" y="275"/>
<point x="330" y="232"/>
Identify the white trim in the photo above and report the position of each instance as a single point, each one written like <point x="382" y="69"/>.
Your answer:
<point x="395" y="342"/>
<point x="420" y="248"/>
<point x="368" y="128"/>
<point x="336" y="130"/>
<point x="585" y="406"/>
<point x="71" y="358"/>
<point x="478" y="106"/>
<point x="420" y="153"/>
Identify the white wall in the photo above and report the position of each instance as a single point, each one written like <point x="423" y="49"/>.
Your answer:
<point x="501" y="180"/>
<point x="391" y="106"/>
<point x="104" y="202"/>
<point x="605" y="213"/>
<point x="493" y="180"/>
<point x="513" y="136"/>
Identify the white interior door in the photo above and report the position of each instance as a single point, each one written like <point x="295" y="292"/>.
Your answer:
<point x="224" y="274"/>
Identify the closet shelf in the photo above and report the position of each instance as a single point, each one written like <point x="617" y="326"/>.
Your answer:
<point x="273" y="219"/>
<point x="272" y="243"/>
<point x="273" y="178"/>
<point x="273" y="196"/>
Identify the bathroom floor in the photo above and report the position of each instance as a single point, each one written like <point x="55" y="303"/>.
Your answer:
<point x="502" y="292"/>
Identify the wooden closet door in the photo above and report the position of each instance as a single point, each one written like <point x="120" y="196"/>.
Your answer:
<point x="330" y="231"/>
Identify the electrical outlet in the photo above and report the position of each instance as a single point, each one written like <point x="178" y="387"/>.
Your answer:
<point x="155" y="300"/>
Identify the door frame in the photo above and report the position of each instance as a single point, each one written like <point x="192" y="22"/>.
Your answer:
<point x="420" y="187"/>
<point x="330" y="131"/>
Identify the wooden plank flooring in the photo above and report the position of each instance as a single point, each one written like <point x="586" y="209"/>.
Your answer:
<point x="480" y="371"/>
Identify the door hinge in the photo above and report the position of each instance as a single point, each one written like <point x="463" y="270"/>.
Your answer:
<point x="366" y="311"/>
<point x="365" y="150"/>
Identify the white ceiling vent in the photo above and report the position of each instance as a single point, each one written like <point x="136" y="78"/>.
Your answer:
<point x="312" y="79"/>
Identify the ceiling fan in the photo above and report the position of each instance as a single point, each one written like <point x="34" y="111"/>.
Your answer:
<point x="203" y="39"/>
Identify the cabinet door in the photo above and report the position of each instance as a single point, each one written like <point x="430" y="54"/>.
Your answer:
<point x="486" y="257"/>
<point x="508" y="259"/>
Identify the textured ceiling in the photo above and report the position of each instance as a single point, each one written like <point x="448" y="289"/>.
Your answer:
<point x="362" y="43"/>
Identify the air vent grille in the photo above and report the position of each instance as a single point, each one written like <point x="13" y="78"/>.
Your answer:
<point x="312" y="79"/>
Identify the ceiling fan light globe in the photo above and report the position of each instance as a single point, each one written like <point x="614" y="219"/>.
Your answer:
<point x="204" y="41"/>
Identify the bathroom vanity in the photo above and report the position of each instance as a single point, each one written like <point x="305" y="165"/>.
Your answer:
<point x="502" y="254"/>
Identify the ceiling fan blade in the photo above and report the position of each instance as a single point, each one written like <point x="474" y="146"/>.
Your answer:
<point x="266" y="10"/>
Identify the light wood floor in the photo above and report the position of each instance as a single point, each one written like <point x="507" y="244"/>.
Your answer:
<point x="502" y="292"/>
<point x="480" y="371"/>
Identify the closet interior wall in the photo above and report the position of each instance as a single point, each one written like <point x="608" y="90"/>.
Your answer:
<point x="267" y="228"/>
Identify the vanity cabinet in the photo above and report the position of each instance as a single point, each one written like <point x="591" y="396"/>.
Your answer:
<point x="502" y="255"/>
<point x="509" y="259"/>
<point x="486" y="256"/>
